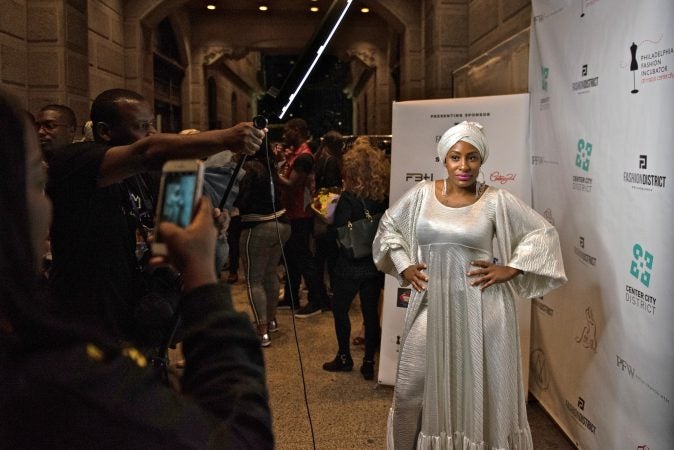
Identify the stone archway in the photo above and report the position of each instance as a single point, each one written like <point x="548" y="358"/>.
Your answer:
<point x="399" y="74"/>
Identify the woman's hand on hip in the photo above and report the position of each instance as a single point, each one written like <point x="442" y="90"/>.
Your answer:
<point x="487" y="274"/>
<point x="414" y="275"/>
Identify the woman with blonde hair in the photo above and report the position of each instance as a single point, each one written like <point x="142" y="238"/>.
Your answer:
<point x="365" y="172"/>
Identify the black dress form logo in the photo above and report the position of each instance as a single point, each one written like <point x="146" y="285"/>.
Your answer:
<point x="634" y="66"/>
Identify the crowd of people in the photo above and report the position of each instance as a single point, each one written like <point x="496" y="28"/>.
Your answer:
<point x="89" y="319"/>
<point x="74" y="374"/>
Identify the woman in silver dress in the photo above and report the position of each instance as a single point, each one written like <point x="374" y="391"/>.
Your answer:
<point x="459" y="380"/>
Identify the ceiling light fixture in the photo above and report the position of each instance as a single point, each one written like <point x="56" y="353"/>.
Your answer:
<point x="313" y="9"/>
<point x="210" y="7"/>
<point x="365" y="10"/>
<point x="263" y="8"/>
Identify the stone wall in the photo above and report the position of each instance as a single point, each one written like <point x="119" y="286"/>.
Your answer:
<point x="43" y="55"/>
<point x="498" y="35"/>
<point x="234" y="97"/>
<point x="14" y="47"/>
<point x="445" y="44"/>
<point x="368" y="48"/>
<point x="106" y="46"/>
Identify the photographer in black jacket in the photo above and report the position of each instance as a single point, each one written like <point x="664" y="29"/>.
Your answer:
<point x="102" y="194"/>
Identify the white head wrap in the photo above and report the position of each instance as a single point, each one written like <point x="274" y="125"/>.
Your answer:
<point x="470" y="132"/>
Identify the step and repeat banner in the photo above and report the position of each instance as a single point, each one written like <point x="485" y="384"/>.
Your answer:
<point x="417" y="128"/>
<point x="601" y="80"/>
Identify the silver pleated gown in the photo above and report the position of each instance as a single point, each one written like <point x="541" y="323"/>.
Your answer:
<point x="459" y="380"/>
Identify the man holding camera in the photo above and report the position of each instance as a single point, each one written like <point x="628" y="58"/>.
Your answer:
<point x="104" y="197"/>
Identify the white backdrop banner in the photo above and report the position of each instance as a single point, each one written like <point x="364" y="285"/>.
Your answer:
<point x="601" y="77"/>
<point x="417" y="127"/>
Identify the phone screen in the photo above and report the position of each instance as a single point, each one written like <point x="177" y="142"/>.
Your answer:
<point x="178" y="197"/>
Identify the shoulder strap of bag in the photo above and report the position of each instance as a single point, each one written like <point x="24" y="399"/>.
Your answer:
<point x="368" y="216"/>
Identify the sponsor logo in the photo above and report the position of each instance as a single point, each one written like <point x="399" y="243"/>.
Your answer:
<point x="543" y="307"/>
<point x="644" y="181"/>
<point x="588" y="335"/>
<point x="585" y="258"/>
<point x="651" y="60"/>
<point x="641" y="268"/>
<point x="498" y="177"/>
<point x="418" y="176"/>
<point x="539" y="369"/>
<point x="537" y="160"/>
<point x="625" y="366"/>
<point x="643" y="447"/>
<point x="542" y="17"/>
<point x="583" y="155"/>
<point x="640" y="300"/>
<point x="403" y="298"/>
<point x="548" y="216"/>
<point x="579" y="416"/>
<point x="544" y="103"/>
<point x="631" y="371"/>
<point x="584" y="85"/>
<point x="642" y="264"/>
<point x="583" y="184"/>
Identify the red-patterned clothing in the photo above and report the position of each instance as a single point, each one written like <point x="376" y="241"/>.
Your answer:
<point x="296" y="199"/>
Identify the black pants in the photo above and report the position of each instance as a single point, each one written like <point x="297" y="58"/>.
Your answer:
<point x="326" y="255"/>
<point x="343" y="295"/>
<point x="233" y="237"/>
<point x="301" y="263"/>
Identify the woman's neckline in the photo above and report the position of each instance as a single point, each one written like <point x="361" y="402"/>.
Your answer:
<point x="482" y="194"/>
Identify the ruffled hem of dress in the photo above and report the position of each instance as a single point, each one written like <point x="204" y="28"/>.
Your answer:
<point x="389" y="429"/>
<point x="519" y="440"/>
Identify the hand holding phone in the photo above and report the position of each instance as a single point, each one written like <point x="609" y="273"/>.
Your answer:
<point x="191" y="250"/>
<point x="180" y="189"/>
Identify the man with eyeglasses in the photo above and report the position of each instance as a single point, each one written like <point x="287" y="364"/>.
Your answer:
<point x="101" y="195"/>
<point x="55" y="125"/>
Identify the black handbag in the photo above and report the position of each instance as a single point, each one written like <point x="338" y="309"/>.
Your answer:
<point x="355" y="238"/>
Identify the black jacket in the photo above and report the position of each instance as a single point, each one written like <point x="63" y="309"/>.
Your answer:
<point x="88" y="395"/>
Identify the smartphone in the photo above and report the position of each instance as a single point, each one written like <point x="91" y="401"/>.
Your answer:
<point x="180" y="189"/>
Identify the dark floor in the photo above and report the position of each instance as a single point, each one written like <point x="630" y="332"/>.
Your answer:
<point x="346" y="411"/>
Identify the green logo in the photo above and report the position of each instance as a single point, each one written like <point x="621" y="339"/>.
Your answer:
<point x="545" y="71"/>
<point x="641" y="265"/>
<point x="583" y="155"/>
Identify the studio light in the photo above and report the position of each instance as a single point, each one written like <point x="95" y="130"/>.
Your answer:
<point x="319" y="52"/>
